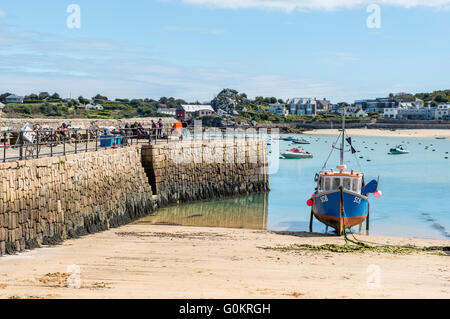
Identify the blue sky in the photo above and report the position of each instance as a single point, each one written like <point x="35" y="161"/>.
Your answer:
<point x="192" y="49"/>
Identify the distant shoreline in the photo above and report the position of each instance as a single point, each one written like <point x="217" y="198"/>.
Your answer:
<point x="418" y="133"/>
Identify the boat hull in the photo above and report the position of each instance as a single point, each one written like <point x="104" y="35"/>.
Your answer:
<point x="327" y="209"/>
<point x="296" y="156"/>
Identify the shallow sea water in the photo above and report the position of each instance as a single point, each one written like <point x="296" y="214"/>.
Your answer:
<point x="415" y="202"/>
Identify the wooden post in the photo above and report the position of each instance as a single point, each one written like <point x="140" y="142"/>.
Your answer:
<point x="311" y="221"/>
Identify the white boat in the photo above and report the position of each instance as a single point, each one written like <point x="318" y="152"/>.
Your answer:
<point x="399" y="150"/>
<point x="300" y="141"/>
<point x="295" y="153"/>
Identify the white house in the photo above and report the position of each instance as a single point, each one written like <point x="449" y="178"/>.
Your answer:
<point x="357" y="113"/>
<point x="442" y="112"/>
<point x="98" y="107"/>
<point x="278" y="109"/>
<point x="186" y="112"/>
<point x="172" y="112"/>
<point x="392" y="113"/>
<point x="352" y="109"/>
<point x="14" y="99"/>
<point x="413" y="102"/>
<point x="417" y="113"/>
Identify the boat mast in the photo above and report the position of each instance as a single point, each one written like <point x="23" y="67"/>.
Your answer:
<point x="343" y="136"/>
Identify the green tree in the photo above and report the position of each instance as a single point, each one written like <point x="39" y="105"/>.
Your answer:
<point x="43" y="96"/>
<point x="100" y="97"/>
<point x="55" y="96"/>
<point x="440" y="98"/>
<point x="4" y="96"/>
<point x="82" y="100"/>
<point x="32" y="97"/>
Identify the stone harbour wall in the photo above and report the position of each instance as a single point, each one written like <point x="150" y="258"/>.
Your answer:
<point x="203" y="170"/>
<point x="44" y="201"/>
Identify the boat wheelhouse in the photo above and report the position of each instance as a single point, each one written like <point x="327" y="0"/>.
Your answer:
<point x="332" y="180"/>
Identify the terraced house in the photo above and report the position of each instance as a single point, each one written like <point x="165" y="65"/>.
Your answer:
<point x="308" y="106"/>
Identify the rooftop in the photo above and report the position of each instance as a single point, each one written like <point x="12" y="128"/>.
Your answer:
<point x="195" y="108"/>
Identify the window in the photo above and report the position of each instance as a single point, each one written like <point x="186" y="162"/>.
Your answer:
<point x="355" y="185"/>
<point x="347" y="182"/>
<point x="327" y="184"/>
<point x="336" y="182"/>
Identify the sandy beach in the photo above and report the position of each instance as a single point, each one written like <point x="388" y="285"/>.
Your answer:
<point x="385" y="133"/>
<point x="144" y="261"/>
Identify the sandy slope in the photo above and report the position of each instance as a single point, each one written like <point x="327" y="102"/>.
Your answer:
<point x="386" y="133"/>
<point x="142" y="261"/>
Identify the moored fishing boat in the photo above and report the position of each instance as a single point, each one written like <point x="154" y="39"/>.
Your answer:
<point x="341" y="197"/>
<point x="399" y="150"/>
<point x="295" y="153"/>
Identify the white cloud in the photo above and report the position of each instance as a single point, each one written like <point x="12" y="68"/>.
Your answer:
<point x="2" y="13"/>
<point x="304" y="5"/>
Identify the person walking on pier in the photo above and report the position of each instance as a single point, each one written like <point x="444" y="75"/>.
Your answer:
<point x="154" y="129"/>
<point x="160" y="127"/>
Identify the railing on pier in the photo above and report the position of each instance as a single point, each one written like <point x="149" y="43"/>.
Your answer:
<point x="32" y="144"/>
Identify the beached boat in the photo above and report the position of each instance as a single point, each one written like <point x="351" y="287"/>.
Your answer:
<point x="300" y="141"/>
<point x="399" y="150"/>
<point x="341" y="197"/>
<point x="295" y="153"/>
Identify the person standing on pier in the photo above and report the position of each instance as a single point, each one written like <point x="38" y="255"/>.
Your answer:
<point x="160" y="127"/>
<point x="154" y="129"/>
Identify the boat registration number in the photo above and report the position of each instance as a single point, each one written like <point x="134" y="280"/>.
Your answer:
<point x="324" y="199"/>
<point x="357" y="200"/>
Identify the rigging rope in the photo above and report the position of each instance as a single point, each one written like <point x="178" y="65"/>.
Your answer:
<point x="332" y="149"/>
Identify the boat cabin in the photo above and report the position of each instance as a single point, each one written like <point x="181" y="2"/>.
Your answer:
<point x="331" y="180"/>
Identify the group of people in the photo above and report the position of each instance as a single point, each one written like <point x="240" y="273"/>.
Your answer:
<point x="137" y="130"/>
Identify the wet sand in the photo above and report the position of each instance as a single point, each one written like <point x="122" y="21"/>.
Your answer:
<point x="431" y="133"/>
<point x="145" y="261"/>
